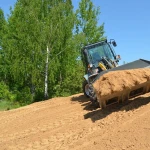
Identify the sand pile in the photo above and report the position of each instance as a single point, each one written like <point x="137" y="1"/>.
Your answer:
<point x="117" y="81"/>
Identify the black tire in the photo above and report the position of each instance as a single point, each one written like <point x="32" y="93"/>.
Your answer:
<point x="84" y="87"/>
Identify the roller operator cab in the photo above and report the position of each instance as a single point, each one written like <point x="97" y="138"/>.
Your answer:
<point x="96" y="58"/>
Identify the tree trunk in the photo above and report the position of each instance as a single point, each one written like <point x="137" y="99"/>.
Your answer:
<point x="46" y="75"/>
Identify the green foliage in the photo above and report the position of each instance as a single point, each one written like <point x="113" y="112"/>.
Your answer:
<point x="24" y="96"/>
<point x="30" y="28"/>
<point x="87" y="22"/>
<point x="2" y="24"/>
<point x="4" y="91"/>
<point x="7" y="98"/>
<point x="7" y="105"/>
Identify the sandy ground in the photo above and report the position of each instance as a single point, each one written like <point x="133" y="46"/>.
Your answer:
<point x="72" y="123"/>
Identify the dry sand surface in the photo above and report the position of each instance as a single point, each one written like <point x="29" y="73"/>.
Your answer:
<point x="73" y="124"/>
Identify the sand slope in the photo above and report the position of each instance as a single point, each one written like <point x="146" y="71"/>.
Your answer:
<point x="73" y="124"/>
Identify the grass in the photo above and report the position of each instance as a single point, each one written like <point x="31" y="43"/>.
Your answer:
<point x="5" y="105"/>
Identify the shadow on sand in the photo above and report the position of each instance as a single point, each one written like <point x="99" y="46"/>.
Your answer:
<point x="85" y="102"/>
<point x="96" y="113"/>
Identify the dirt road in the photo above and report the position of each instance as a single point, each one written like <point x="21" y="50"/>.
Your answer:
<point x="73" y="124"/>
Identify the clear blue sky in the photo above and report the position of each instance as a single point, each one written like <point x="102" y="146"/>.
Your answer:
<point x="125" y="21"/>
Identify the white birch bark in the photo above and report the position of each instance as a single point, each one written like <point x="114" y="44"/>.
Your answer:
<point x="46" y="75"/>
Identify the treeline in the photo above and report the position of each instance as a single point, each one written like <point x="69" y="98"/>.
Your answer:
<point x="40" y="42"/>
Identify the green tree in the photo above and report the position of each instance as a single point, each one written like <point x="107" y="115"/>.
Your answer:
<point x="24" y="47"/>
<point x="32" y="27"/>
<point x="2" y="34"/>
<point x="61" y="23"/>
<point x="2" y="24"/>
<point x="41" y="43"/>
<point x="87" y="22"/>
